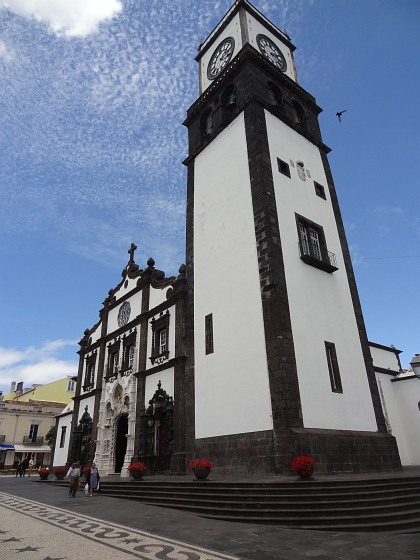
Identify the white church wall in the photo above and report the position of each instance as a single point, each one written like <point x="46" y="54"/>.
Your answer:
<point x="384" y="358"/>
<point x="255" y="27"/>
<point x="390" y="407"/>
<point x="320" y="303"/>
<point x="166" y="377"/>
<point x="96" y="334"/>
<point x="157" y="296"/>
<point x="60" y="453"/>
<point x="135" y="304"/>
<point x="232" y="30"/>
<point x="407" y="394"/>
<point x="231" y="384"/>
<point x="90" y="403"/>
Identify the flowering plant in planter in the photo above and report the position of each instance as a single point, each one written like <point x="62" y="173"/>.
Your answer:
<point x="200" y="464"/>
<point x="303" y="465"/>
<point x="59" y="470"/>
<point x="85" y="471"/>
<point x="43" y="473"/>
<point x="139" y="468"/>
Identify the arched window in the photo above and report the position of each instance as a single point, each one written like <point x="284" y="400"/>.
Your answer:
<point x="299" y="115"/>
<point x="229" y="98"/>
<point x="207" y="122"/>
<point x="275" y="97"/>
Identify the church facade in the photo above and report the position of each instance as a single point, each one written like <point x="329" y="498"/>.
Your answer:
<point x="257" y="351"/>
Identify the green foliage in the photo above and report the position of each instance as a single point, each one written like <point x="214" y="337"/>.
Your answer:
<point x="49" y="436"/>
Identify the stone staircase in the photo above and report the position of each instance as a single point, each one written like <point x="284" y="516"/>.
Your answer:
<point x="351" y="504"/>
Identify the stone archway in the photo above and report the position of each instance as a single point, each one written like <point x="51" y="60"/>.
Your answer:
<point x="121" y="431"/>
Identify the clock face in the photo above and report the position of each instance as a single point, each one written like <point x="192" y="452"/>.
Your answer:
<point x="124" y="314"/>
<point x="220" y="58"/>
<point x="272" y="52"/>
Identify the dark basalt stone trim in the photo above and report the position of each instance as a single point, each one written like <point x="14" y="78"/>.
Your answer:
<point x="281" y="361"/>
<point x="373" y="386"/>
<point x="382" y="347"/>
<point x="189" y="385"/>
<point x="336" y="451"/>
<point x="161" y="367"/>
<point x="386" y="370"/>
<point x="96" y="391"/>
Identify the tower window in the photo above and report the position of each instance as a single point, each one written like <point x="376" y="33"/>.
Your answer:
<point x="334" y="372"/>
<point x="320" y="190"/>
<point x="63" y="436"/>
<point x="113" y="360"/>
<point x="207" y="122"/>
<point x="283" y="167"/>
<point x="208" y="323"/>
<point x="160" y="338"/>
<point x="89" y="379"/>
<point x="298" y="112"/>
<point x="313" y="247"/>
<point x="229" y="98"/>
<point x="275" y="97"/>
<point x="129" y="346"/>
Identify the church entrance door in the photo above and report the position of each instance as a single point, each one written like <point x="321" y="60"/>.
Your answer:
<point x="121" y="442"/>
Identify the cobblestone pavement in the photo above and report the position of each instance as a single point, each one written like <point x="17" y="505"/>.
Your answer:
<point x="39" y="522"/>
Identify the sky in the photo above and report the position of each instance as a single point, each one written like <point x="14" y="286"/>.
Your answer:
<point x="92" y="98"/>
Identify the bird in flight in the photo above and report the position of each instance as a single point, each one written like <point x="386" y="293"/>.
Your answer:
<point x="340" y="113"/>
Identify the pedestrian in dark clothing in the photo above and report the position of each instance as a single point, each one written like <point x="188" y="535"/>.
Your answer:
<point x="24" y="466"/>
<point x="19" y="469"/>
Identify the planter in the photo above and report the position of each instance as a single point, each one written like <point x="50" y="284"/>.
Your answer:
<point x="305" y="476"/>
<point x="137" y="475"/>
<point x="201" y="473"/>
<point x="44" y="476"/>
<point x="60" y="476"/>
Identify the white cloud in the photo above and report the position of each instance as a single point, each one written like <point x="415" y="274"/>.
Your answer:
<point x="36" y="364"/>
<point x="72" y="18"/>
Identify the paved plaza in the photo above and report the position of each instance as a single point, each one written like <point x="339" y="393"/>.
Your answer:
<point x="38" y="521"/>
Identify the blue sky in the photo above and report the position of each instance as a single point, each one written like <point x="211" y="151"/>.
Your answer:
<point x="92" y="97"/>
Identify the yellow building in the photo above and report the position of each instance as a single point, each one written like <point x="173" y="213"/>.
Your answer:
<point x="61" y="391"/>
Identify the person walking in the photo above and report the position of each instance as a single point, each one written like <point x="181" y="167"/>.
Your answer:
<point x="31" y="465"/>
<point x="74" y="475"/>
<point x="24" y="466"/>
<point x="19" y="469"/>
<point x="93" y="479"/>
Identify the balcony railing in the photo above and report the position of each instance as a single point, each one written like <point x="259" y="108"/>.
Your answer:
<point x="318" y="257"/>
<point x="38" y="440"/>
<point x="2" y="439"/>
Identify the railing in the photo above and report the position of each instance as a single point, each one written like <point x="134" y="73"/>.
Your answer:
<point x="317" y="256"/>
<point x="38" y="440"/>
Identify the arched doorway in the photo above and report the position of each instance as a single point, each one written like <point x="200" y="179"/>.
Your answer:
<point x="121" y="442"/>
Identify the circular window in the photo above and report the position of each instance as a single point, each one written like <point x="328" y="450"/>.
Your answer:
<point x="124" y="314"/>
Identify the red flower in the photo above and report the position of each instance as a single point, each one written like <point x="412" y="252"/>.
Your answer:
<point x="139" y="467"/>
<point x="59" y="470"/>
<point x="200" y="464"/>
<point x="303" y="465"/>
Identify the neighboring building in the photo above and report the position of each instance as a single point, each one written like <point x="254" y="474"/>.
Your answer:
<point x="62" y="436"/>
<point x="257" y="351"/>
<point x="23" y="427"/>
<point x="400" y="396"/>
<point x="61" y="390"/>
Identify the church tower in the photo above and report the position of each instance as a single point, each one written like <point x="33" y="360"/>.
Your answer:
<point x="278" y="358"/>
